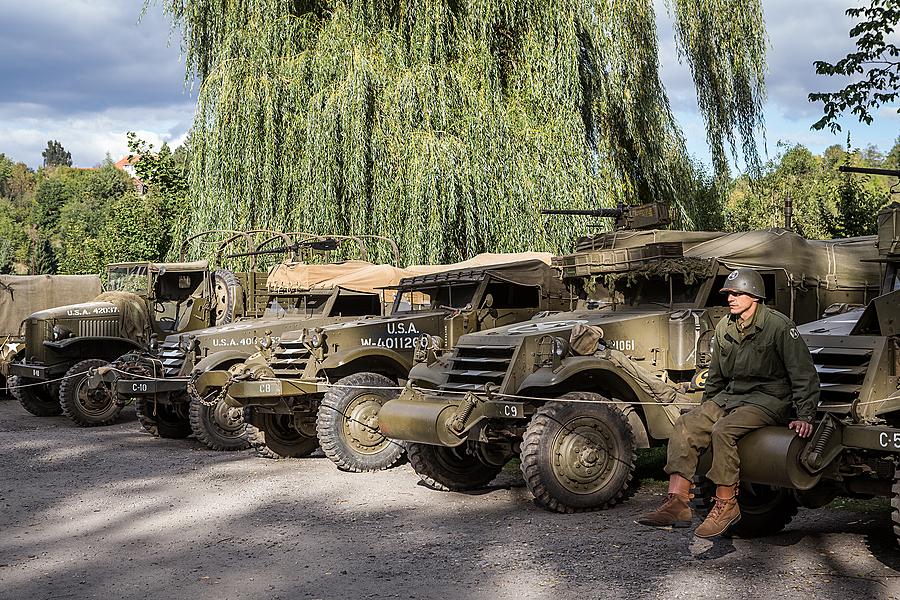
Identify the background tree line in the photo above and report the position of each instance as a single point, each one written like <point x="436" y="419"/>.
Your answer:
<point x="60" y="219"/>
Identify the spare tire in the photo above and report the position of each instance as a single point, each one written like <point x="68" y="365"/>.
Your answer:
<point x="228" y="297"/>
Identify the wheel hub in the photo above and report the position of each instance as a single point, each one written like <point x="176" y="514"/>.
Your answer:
<point x="581" y="458"/>
<point x="361" y="424"/>
<point x="94" y="400"/>
<point x="228" y="418"/>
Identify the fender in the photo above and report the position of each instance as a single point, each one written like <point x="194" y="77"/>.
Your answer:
<point x="659" y="417"/>
<point x="73" y="345"/>
<point x="342" y="359"/>
<point x="210" y="371"/>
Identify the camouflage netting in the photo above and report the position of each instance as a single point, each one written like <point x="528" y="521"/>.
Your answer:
<point x="134" y="311"/>
<point x="693" y="270"/>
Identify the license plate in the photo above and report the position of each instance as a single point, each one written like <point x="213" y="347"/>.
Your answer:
<point x="507" y="410"/>
<point x="269" y="388"/>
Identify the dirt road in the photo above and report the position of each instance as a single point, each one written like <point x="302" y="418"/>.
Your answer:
<point x="114" y="513"/>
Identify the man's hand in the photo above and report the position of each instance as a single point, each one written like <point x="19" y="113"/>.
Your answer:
<point x="803" y="428"/>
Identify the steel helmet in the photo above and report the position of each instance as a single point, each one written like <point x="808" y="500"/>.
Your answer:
<point x="746" y="281"/>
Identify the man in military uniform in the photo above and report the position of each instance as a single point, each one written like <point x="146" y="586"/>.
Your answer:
<point x="760" y="370"/>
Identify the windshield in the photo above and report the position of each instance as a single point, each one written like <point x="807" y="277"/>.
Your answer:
<point x="655" y="290"/>
<point x="133" y="278"/>
<point x="455" y="296"/>
<point x="306" y="304"/>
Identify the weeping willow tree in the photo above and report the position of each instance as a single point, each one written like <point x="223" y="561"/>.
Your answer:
<point x="448" y="124"/>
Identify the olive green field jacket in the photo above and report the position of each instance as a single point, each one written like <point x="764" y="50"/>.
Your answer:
<point x="770" y="368"/>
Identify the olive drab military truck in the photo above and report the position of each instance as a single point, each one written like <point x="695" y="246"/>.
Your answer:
<point x="574" y="394"/>
<point x="143" y="300"/>
<point x="158" y="379"/>
<point x="21" y="295"/>
<point x="326" y="385"/>
<point x="855" y="444"/>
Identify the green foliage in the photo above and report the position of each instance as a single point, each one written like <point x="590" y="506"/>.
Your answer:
<point x="826" y="203"/>
<point x="50" y="196"/>
<point x="134" y="229"/>
<point x="875" y="57"/>
<point x="55" y="155"/>
<point x="448" y="124"/>
<point x="43" y="258"/>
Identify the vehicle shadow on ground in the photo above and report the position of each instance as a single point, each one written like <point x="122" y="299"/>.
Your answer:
<point x="112" y="512"/>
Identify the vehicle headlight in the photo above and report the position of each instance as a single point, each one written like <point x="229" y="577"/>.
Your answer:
<point x="560" y="347"/>
<point x="437" y="343"/>
<point x="317" y="339"/>
<point x="60" y="333"/>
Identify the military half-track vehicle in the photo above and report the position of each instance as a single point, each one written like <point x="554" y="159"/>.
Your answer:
<point x="573" y="394"/>
<point x="21" y="295"/>
<point x="142" y="301"/>
<point x="161" y="381"/>
<point x="326" y="386"/>
<point x="855" y="445"/>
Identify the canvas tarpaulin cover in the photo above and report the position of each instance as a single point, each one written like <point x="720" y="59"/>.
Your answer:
<point x="22" y="295"/>
<point x="134" y="311"/>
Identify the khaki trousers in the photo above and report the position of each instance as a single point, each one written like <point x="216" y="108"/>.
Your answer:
<point x="710" y="426"/>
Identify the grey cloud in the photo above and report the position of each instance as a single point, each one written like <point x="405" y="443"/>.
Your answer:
<point x="81" y="57"/>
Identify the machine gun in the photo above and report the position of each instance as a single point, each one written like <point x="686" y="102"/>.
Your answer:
<point x="326" y="244"/>
<point x="869" y="171"/>
<point x="652" y="215"/>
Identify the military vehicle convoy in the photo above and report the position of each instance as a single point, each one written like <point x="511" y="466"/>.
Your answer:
<point x="573" y="394"/>
<point x="326" y="385"/>
<point x="21" y="295"/>
<point x="159" y="380"/>
<point x="143" y="300"/>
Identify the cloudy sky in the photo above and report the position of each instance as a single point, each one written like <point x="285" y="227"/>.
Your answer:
<point x="86" y="71"/>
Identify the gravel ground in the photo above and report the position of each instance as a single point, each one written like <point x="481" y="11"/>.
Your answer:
<point x="114" y="513"/>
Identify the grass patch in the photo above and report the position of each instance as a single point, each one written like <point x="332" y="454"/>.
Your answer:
<point x="650" y="464"/>
<point x="877" y="504"/>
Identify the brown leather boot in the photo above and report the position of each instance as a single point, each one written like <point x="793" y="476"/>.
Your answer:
<point x="674" y="512"/>
<point x="723" y="515"/>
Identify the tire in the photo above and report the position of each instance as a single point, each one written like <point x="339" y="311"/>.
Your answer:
<point x="161" y="420"/>
<point x="275" y="436"/>
<point x="219" y="427"/>
<point x="39" y="400"/>
<point x="227" y="293"/>
<point x="449" y="469"/>
<point x="84" y="406"/>
<point x="895" y="506"/>
<point x="598" y="444"/>
<point x="347" y="424"/>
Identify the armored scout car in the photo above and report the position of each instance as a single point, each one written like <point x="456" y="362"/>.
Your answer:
<point x="161" y="380"/>
<point x="573" y="394"/>
<point x="327" y="385"/>
<point x="856" y="441"/>
<point x="63" y="345"/>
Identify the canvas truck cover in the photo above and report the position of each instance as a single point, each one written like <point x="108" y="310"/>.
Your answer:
<point x="533" y="272"/>
<point x="363" y="276"/>
<point x="614" y="240"/>
<point x="843" y="263"/>
<point x="353" y="275"/>
<point x="832" y="264"/>
<point x="22" y="295"/>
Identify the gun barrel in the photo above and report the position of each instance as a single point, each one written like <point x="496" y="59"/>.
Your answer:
<point x="260" y="252"/>
<point x="611" y="213"/>
<point x="869" y="171"/>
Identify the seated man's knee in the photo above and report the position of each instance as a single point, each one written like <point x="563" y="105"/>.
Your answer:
<point x="723" y="433"/>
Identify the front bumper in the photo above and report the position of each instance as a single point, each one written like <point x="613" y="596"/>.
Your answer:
<point x="36" y="371"/>
<point x="268" y="392"/>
